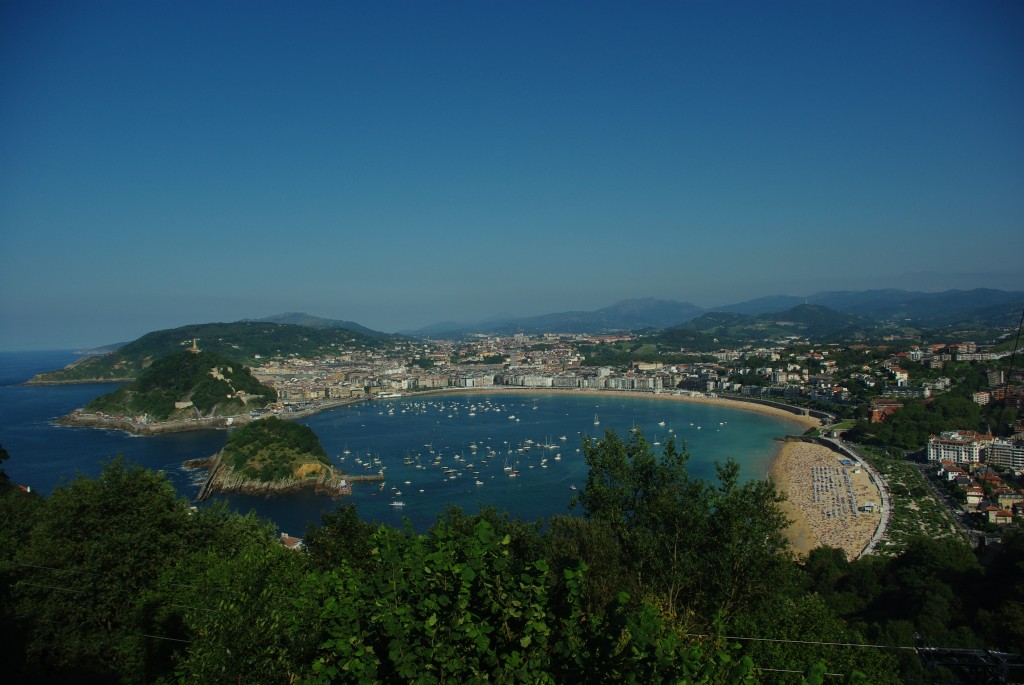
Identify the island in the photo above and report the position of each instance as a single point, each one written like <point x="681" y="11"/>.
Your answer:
<point x="270" y="457"/>
<point x="184" y="391"/>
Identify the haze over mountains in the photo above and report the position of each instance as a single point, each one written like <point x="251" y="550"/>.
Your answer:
<point x="995" y="307"/>
<point x="822" y="314"/>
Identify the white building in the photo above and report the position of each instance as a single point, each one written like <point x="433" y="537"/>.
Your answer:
<point x="1006" y="453"/>
<point x="959" y="447"/>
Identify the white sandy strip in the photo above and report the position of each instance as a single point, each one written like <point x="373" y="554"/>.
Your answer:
<point x="816" y="520"/>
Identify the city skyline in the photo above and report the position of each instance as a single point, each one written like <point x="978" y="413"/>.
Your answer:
<point x="403" y="164"/>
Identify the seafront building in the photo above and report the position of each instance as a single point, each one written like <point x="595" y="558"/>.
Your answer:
<point x="958" y="447"/>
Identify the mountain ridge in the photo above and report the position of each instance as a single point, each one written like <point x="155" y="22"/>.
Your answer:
<point x="936" y="309"/>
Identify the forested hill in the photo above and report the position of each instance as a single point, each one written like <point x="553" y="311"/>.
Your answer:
<point x="814" y="322"/>
<point x="211" y="382"/>
<point x="242" y="341"/>
<point x="272" y="449"/>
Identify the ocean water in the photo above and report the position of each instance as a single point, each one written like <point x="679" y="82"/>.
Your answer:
<point x="435" y="450"/>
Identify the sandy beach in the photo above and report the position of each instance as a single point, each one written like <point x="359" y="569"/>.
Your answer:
<point x="818" y="489"/>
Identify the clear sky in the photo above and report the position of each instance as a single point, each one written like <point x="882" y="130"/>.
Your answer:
<point x="403" y="163"/>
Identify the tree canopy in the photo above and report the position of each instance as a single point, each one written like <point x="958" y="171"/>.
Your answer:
<point x="115" y="580"/>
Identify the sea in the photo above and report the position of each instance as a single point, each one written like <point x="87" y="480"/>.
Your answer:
<point x="520" y="452"/>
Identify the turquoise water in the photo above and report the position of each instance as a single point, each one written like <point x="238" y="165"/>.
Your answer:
<point x="436" y="450"/>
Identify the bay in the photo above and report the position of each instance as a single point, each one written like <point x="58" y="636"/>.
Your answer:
<point x="435" y="450"/>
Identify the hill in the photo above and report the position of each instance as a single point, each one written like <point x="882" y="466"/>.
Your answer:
<point x="273" y="456"/>
<point x="814" y="322"/>
<point x="311" y="321"/>
<point x="625" y="315"/>
<point x="187" y="385"/>
<point x="982" y="306"/>
<point x="243" y="341"/>
<point x="979" y="307"/>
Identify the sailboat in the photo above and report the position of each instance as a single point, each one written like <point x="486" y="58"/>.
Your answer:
<point x="597" y="421"/>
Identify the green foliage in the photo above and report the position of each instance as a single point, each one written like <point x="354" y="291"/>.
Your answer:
<point x="271" y="449"/>
<point x="341" y="537"/>
<point x="715" y="330"/>
<point x="459" y="606"/>
<point x="96" y="548"/>
<point x="208" y="380"/>
<point x="909" y="427"/>
<point x="703" y="548"/>
<point x="242" y="613"/>
<point x="935" y="593"/>
<point x="113" y="579"/>
<point x="242" y="340"/>
<point x="19" y="511"/>
<point x="643" y="349"/>
<point x="448" y="608"/>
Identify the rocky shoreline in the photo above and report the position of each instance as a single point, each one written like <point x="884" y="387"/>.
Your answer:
<point x="80" y="417"/>
<point x="91" y="420"/>
<point x="222" y="478"/>
<point x="38" y="380"/>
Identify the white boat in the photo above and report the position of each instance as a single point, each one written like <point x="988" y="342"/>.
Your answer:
<point x="597" y="421"/>
<point x="398" y="503"/>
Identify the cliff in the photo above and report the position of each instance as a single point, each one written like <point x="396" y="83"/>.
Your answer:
<point x="321" y="479"/>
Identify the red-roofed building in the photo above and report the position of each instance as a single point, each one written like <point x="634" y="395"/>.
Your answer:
<point x="950" y="470"/>
<point x="959" y="447"/>
<point x="975" y="495"/>
<point x="998" y="516"/>
<point x="883" y="407"/>
<point x="291" y="542"/>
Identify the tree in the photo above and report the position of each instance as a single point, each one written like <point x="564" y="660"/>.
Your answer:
<point x="341" y="536"/>
<point x="241" y="613"/>
<point x="97" y="547"/>
<point x="701" y="548"/>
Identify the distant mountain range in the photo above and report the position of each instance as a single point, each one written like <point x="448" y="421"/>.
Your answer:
<point x="625" y="315"/>
<point x="715" y="330"/>
<point x="933" y="310"/>
<point x="923" y="309"/>
<point x="847" y="315"/>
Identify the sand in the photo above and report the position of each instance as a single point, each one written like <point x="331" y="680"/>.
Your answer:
<point x="824" y="518"/>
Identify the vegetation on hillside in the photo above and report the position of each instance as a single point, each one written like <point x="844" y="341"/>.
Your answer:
<point x="272" y="449"/>
<point x="208" y="380"/>
<point x="806" y="321"/>
<point x="243" y="340"/>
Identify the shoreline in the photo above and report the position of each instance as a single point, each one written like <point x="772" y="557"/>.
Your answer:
<point x="788" y="468"/>
<point x="817" y="491"/>
<point x="80" y="418"/>
<point x="805" y="421"/>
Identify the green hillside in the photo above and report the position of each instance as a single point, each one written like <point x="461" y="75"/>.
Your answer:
<point x="272" y="449"/>
<point x="211" y="382"/>
<point x="814" y="322"/>
<point x="242" y="341"/>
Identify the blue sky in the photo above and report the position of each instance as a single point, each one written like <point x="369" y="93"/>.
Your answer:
<point x="403" y="163"/>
